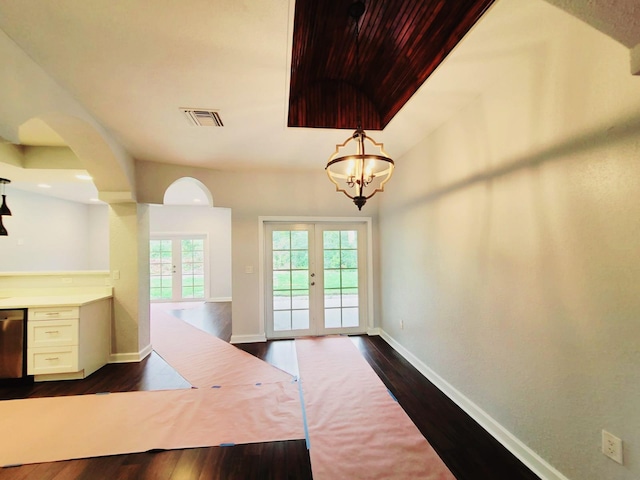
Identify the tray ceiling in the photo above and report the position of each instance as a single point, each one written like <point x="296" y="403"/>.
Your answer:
<point x="401" y="42"/>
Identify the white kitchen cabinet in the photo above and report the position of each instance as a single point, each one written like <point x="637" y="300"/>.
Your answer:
<point x="68" y="341"/>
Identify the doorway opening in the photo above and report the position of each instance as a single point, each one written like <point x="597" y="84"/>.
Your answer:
<point x="178" y="267"/>
<point x="316" y="278"/>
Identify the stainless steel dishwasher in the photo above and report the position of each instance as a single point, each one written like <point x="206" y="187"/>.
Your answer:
<point x="13" y="336"/>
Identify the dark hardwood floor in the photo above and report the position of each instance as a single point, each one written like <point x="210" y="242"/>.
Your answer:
<point x="213" y="318"/>
<point x="467" y="449"/>
<point x="152" y="373"/>
<point x="259" y="461"/>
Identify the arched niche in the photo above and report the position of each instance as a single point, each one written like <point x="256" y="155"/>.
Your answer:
<point x="188" y="191"/>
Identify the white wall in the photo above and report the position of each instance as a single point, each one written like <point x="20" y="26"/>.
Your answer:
<point x="98" y="237"/>
<point x="515" y="261"/>
<point x="49" y="234"/>
<point x="211" y="221"/>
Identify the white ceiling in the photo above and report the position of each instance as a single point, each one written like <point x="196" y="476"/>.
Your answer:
<point x="134" y="64"/>
<point x="57" y="183"/>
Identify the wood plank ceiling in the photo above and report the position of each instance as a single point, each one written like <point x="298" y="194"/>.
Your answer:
<point x="401" y="42"/>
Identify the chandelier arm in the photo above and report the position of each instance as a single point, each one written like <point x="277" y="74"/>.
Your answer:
<point x="338" y="189"/>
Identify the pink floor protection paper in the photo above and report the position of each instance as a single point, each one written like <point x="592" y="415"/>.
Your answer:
<point x="62" y="428"/>
<point x="240" y="399"/>
<point x="356" y="428"/>
<point x="204" y="360"/>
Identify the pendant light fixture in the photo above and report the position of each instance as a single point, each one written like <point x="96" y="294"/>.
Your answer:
<point x="352" y="168"/>
<point x="4" y="209"/>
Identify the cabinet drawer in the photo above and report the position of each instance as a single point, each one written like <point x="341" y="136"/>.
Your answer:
<point x="52" y="313"/>
<point x="44" y="360"/>
<point x="51" y="333"/>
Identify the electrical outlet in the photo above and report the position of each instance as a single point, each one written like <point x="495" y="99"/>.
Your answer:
<point x="612" y="446"/>
<point x="401" y="324"/>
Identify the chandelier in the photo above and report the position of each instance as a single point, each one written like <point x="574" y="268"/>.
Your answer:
<point x="356" y="170"/>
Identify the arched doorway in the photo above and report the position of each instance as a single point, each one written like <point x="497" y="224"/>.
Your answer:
<point x="190" y="246"/>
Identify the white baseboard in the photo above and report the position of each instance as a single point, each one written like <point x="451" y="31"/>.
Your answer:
<point x="248" y="338"/>
<point x="131" y="357"/>
<point x="527" y="456"/>
<point x="146" y="351"/>
<point x="373" y="331"/>
<point x="219" y="299"/>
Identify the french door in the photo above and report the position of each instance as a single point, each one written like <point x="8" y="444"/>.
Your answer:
<point x="178" y="266"/>
<point x="315" y="280"/>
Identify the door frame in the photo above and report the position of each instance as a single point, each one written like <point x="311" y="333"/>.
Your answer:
<point x="367" y="221"/>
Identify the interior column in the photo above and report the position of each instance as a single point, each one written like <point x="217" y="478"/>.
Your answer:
<point x="129" y="266"/>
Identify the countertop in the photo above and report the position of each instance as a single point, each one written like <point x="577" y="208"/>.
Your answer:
<point x="69" y="300"/>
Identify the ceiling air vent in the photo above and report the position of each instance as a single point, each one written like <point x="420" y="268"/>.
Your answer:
<point x="203" y="118"/>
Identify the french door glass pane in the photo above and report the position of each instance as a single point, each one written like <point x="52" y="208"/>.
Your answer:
<point x="350" y="317"/>
<point x="300" y="300"/>
<point x="300" y="319"/>
<point x="332" y="318"/>
<point x="350" y="297"/>
<point x="332" y="297"/>
<point x="340" y="254"/>
<point x="331" y="239"/>
<point x="281" y="320"/>
<point x="290" y="265"/>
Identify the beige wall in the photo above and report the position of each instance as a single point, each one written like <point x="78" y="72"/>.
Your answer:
<point x="515" y="263"/>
